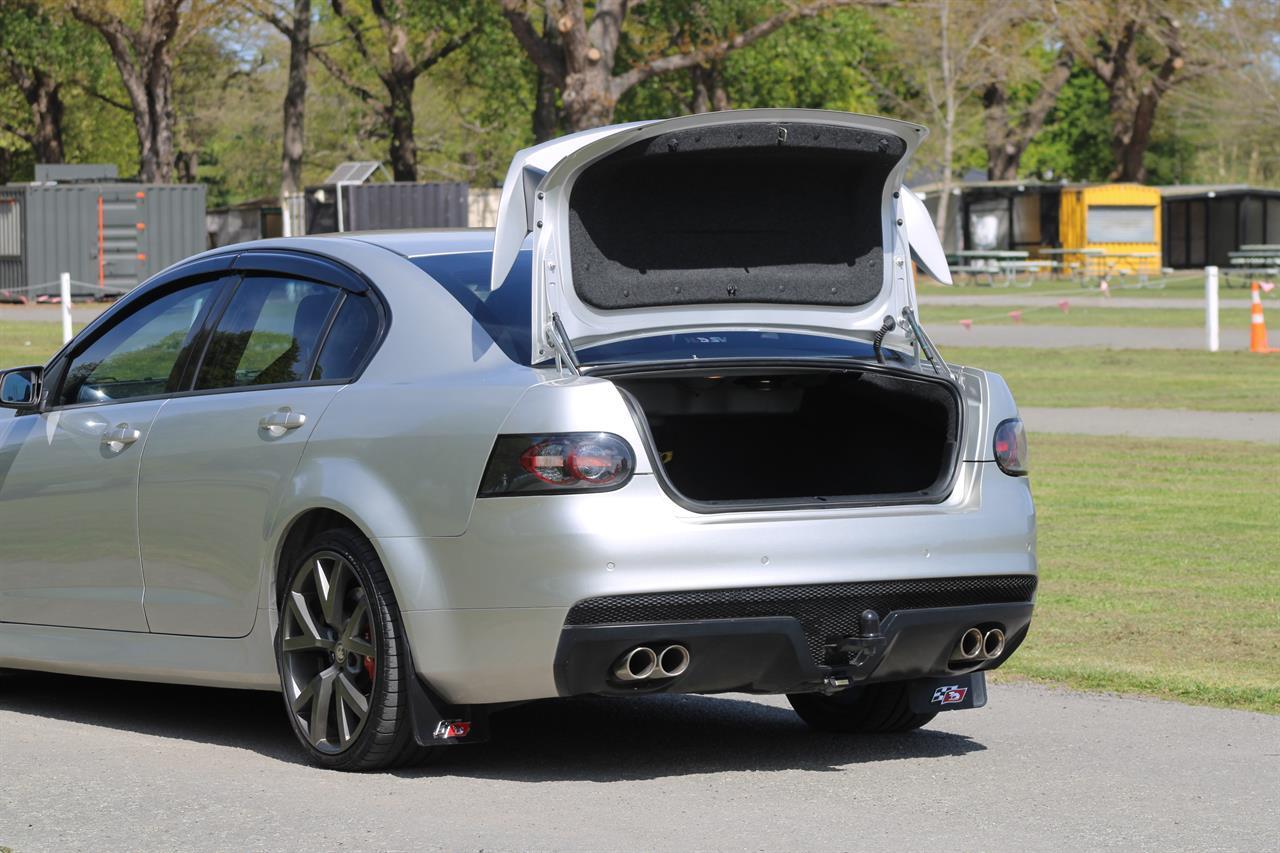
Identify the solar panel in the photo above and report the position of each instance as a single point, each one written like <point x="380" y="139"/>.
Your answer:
<point x="352" y="172"/>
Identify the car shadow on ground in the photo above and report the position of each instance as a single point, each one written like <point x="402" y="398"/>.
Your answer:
<point x="587" y="739"/>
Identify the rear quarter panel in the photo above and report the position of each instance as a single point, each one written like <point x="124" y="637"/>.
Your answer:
<point x="401" y="450"/>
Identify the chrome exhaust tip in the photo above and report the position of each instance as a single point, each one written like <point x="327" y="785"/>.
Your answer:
<point x="636" y="665"/>
<point x="673" y="661"/>
<point x="993" y="643"/>
<point x="970" y="645"/>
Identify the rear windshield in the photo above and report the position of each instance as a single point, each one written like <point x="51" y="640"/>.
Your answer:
<point x="505" y="313"/>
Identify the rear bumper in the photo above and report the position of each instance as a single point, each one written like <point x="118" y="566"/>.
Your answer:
<point x="484" y="612"/>
<point x="773" y="654"/>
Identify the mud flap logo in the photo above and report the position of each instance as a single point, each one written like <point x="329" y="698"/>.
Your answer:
<point x="449" y="729"/>
<point x="950" y="695"/>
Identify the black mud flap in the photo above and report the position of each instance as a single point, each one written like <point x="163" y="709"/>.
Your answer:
<point x="436" y="722"/>
<point x="953" y="693"/>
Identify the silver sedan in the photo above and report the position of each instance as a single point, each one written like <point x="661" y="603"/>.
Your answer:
<point x="671" y="426"/>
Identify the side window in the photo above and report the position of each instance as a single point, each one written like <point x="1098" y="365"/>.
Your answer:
<point x="140" y="356"/>
<point x="353" y="334"/>
<point x="268" y="334"/>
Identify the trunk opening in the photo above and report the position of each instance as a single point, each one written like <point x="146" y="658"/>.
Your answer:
<point x="756" y="437"/>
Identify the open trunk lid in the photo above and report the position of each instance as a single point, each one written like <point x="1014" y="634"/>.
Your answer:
<point x="786" y="220"/>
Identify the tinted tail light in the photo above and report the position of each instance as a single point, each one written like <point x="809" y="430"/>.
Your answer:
<point x="1010" y="447"/>
<point x="557" y="463"/>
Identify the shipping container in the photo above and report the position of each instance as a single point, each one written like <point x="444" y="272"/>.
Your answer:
<point x="375" y="207"/>
<point x="238" y="223"/>
<point x="1203" y="225"/>
<point x="998" y="215"/>
<point x="1122" y="220"/>
<point x="110" y="236"/>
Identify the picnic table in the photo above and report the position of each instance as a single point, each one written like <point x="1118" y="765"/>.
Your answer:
<point x="992" y="262"/>
<point x="1251" y="260"/>
<point x="1111" y="264"/>
<point x="1075" y="268"/>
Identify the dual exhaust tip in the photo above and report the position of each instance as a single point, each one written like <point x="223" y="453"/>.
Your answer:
<point x="643" y="663"/>
<point x="976" y="644"/>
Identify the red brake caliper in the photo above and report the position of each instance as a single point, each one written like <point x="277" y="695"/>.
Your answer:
<point x="368" y="661"/>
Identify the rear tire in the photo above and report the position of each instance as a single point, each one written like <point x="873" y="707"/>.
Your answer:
<point x="339" y="651"/>
<point x="873" y="709"/>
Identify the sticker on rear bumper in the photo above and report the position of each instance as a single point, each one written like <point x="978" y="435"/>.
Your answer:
<point x="956" y="693"/>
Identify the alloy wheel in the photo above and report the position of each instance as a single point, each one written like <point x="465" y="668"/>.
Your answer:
<point x="328" y="657"/>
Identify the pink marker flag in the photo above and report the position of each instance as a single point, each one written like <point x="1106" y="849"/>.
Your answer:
<point x="968" y="324"/>
<point x="1016" y="316"/>
<point x="1104" y="287"/>
<point x="1065" y="306"/>
<point x="1267" y="286"/>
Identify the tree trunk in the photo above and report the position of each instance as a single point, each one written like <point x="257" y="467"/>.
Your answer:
<point x="949" y="120"/>
<point x="709" y="94"/>
<point x="145" y="63"/>
<point x="404" y="148"/>
<point x="186" y="164"/>
<point x="295" y="100"/>
<point x="43" y="95"/>
<point x="588" y="98"/>
<point x="8" y="166"/>
<point x="163" y="119"/>
<point x="1002" y="164"/>
<point x="1130" y="144"/>
<point x="546" y="115"/>
<point x="546" y="112"/>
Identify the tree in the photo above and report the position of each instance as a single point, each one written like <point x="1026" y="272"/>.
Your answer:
<point x="294" y="23"/>
<point x="398" y="41"/>
<point x="947" y="57"/>
<point x="1075" y="143"/>
<point x="585" y="58"/>
<point x="1022" y="91"/>
<point x="1206" y="132"/>
<point x="143" y="42"/>
<point x="1138" y="50"/>
<point x="31" y="47"/>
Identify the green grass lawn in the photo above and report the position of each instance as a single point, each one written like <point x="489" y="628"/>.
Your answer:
<point x="1160" y="569"/>
<point x="1165" y="318"/>
<point x="1145" y="379"/>
<point x="27" y="342"/>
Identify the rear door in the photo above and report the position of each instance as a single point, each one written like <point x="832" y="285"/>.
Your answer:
<point x="221" y="456"/>
<point x="69" y="474"/>
<point x="788" y="220"/>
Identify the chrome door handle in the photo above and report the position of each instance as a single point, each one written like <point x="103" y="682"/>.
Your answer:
<point x="279" y="422"/>
<point x="121" y="437"/>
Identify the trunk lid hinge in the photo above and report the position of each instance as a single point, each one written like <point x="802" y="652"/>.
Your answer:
<point x="926" y="346"/>
<point x="559" y="341"/>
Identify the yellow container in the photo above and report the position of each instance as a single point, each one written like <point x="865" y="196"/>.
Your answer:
<point x="1122" y="221"/>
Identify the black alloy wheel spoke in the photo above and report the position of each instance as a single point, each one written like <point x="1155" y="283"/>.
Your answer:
<point x="328" y="652"/>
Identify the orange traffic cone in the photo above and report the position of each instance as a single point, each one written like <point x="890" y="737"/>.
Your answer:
<point x="1257" y="325"/>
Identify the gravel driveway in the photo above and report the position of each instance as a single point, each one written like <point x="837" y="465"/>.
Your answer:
<point x="95" y="765"/>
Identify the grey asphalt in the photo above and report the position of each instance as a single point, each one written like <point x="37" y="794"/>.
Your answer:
<point x="1155" y="423"/>
<point x="1014" y="299"/>
<point x="1065" y="337"/>
<point x="93" y="765"/>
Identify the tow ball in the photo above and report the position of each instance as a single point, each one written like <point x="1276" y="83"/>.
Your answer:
<point x="865" y="648"/>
